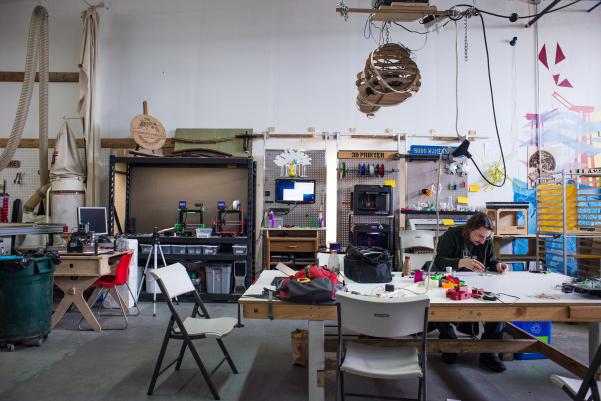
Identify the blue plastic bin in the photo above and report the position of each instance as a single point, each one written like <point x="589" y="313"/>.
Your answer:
<point x="540" y="330"/>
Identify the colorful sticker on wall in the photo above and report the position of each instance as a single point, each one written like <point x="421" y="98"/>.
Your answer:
<point x="559" y="57"/>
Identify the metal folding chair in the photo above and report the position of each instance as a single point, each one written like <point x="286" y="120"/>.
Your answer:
<point x="174" y="281"/>
<point x="385" y="318"/>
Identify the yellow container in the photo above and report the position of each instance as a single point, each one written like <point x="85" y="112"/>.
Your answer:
<point x="550" y="207"/>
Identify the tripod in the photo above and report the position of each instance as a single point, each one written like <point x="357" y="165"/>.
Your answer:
<point x="154" y="251"/>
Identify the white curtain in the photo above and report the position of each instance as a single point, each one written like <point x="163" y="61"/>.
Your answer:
<point x="86" y="104"/>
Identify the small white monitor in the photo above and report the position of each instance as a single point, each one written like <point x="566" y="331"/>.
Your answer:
<point x="95" y="217"/>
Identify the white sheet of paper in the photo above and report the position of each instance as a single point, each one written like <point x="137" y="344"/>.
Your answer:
<point x="293" y="194"/>
<point x="305" y="187"/>
<point x="285" y="269"/>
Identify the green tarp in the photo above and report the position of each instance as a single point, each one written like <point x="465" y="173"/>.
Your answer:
<point x="220" y="139"/>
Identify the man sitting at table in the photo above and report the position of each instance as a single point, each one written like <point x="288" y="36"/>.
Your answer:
<point x="464" y="248"/>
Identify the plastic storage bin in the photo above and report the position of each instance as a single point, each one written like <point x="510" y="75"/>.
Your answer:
<point x="204" y="232"/>
<point x="239" y="249"/>
<point x="210" y="249"/>
<point x="194" y="249"/>
<point x="178" y="249"/>
<point x="145" y="249"/>
<point x="540" y="330"/>
<point x="166" y="249"/>
<point x="219" y="278"/>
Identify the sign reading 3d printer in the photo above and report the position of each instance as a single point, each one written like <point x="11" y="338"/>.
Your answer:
<point x="363" y="154"/>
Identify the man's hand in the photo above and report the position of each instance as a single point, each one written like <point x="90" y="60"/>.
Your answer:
<point x="472" y="264"/>
<point x="502" y="267"/>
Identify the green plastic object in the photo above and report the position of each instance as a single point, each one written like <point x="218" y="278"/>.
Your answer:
<point x="25" y="298"/>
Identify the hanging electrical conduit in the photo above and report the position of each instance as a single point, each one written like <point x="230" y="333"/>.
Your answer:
<point x="37" y="56"/>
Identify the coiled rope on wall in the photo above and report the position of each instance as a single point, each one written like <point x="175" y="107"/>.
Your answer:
<point x="37" y="56"/>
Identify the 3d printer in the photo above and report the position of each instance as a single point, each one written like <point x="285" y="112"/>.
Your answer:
<point x="372" y="235"/>
<point x="229" y="222"/>
<point x="372" y="200"/>
<point x="183" y="225"/>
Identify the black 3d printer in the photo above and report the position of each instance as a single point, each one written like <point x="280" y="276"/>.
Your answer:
<point x="229" y="222"/>
<point x="372" y="200"/>
<point x="182" y="226"/>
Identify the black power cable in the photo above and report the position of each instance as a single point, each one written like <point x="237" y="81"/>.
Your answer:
<point x="518" y="17"/>
<point x="494" y="112"/>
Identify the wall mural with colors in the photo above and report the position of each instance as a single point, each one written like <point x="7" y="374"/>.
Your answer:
<point x="569" y="135"/>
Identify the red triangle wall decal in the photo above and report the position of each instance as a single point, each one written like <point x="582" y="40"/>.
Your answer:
<point x="559" y="56"/>
<point x="566" y="84"/>
<point x="556" y="78"/>
<point x="542" y="56"/>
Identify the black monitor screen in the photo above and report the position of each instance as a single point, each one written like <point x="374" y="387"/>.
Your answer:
<point x="95" y="217"/>
<point x="291" y="190"/>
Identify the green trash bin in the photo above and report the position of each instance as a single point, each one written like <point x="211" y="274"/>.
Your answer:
<point x="25" y="298"/>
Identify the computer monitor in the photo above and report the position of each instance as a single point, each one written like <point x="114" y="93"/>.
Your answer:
<point x="95" y="217"/>
<point x="294" y="190"/>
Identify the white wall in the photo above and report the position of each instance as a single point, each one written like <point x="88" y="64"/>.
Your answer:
<point x="292" y="64"/>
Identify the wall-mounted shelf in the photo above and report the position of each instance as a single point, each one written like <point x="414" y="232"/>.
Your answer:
<point x="442" y="212"/>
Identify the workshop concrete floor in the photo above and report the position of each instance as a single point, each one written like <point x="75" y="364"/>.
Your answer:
<point x="117" y="365"/>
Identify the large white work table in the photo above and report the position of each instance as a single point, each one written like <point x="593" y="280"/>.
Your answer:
<point x="564" y="308"/>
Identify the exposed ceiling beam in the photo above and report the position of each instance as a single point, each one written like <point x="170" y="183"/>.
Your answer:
<point x="17" y="76"/>
<point x="546" y="10"/>
<point x="593" y="7"/>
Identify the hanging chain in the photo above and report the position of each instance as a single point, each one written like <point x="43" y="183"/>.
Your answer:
<point x="387" y="32"/>
<point x="465" y="45"/>
<point x="343" y="9"/>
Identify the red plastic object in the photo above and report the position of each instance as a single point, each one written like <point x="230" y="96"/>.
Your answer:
<point x="477" y="292"/>
<point x="121" y="273"/>
<point x="419" y="276"/>
<point x="4" y="212"/>
<point x="458" y="293"/>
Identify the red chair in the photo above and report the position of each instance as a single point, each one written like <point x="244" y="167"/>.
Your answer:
<point x="108" y="285"/>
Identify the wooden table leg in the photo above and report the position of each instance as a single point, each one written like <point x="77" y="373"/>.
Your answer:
<point x="73" y="289"/>
<point x="94" y="297"/>
<point x="316" y="360"/>
<point x="594" y="330"/>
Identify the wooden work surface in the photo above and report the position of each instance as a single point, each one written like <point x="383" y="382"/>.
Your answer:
<point x="73" y="276"/>
<point x="566" y="308"/>
<point x="525" y="285"/>
<point x="85" y="265"/>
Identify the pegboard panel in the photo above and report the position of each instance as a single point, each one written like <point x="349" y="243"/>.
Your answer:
<point x="298" y="215"/>
<point x="30" y="181"/>
<point x="346" y="184"/>
<point x="422" y="174"/>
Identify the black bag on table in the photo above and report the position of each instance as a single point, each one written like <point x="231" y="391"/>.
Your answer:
<point x="368" y="265"/>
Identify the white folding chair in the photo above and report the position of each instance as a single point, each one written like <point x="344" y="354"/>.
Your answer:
<point x="383" y="318"/>
<point x="174" y="281"/>
<point x="582" y="390"/>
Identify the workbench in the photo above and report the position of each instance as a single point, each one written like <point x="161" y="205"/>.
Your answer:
<point x="74" y="275"/>
<point x="529" y="307"/>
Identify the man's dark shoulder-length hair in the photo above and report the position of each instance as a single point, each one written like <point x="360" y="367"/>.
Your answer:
<point x="478" y="220"/>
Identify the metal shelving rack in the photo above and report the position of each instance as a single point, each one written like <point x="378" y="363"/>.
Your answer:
<point x="568" y="222"/>
<point x="131" y="163"/>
